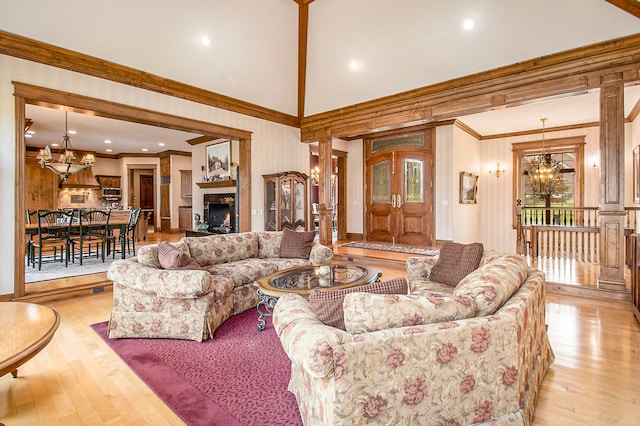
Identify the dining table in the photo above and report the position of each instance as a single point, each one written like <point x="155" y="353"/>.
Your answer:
<point x="32" y="229"/>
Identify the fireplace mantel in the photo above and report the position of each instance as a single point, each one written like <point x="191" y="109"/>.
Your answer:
<point x="217" y="184"/>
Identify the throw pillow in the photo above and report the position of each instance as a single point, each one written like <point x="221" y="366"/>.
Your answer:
<point x="493" y="283"/>
<point x="148" y="254"/>
<point x="296" y="244"/>
<point x="365" y="312"/>
<point x="456" y="261"/>
<point x="327" y="303"/>
<point x="173" y="258"/>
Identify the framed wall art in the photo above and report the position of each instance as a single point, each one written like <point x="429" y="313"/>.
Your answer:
<point x="468" y="188"/>
<point x="218" y="161"/>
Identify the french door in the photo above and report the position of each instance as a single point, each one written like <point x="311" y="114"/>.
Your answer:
<point x="400" y="197"/>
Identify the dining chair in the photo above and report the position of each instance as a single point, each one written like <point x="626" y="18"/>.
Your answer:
<point x="94" y="229"/>
<point x="31" y="218"/>
<point x="54" y="229"/>
<point x="128" y="238"/>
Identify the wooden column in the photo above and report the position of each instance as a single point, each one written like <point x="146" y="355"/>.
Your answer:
<point x="244" y="175"/>
<point x="325" y="206"/>
<point x="612" y="212"/>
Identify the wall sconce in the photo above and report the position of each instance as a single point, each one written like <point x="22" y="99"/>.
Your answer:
<point x="315" y="176"/>
<point x="498" y="171"/>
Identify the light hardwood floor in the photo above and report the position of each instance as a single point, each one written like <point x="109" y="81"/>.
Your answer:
<point x="77" y="379"/>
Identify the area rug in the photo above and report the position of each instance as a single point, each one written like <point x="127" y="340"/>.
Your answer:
<point x="56" y="270"/>
<point x="239" y="377"/>
<point x="391" y="247"/>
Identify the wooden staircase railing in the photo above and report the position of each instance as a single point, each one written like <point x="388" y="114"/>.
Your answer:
<point x="567" y="232"/>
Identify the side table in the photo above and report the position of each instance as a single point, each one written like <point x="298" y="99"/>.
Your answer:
<point x="27" y="328"/>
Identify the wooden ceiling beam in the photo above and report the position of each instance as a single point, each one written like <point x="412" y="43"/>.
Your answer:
<point x="630" y="6"/>
<point x="303" y="30"/>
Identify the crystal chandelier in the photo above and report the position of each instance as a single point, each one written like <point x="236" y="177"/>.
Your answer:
<point x="67" y="163"/>
<point x="543" y="173"/>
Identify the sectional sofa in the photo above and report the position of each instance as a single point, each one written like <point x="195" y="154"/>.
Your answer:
<point x="475" y="353"/>
<point x="152" y="301"/>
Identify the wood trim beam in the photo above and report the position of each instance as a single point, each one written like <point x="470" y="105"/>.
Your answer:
<point x="83" y="104"/>
<point x="37" y="51"/>
<point x="630" y="6"/>
<point x="572" y="72"/>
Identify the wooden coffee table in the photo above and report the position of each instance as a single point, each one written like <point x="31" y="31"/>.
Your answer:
<point x="303" y="280"/>
<point x="26" y="329"/>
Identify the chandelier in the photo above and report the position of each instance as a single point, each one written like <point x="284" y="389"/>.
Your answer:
<point x="67" y="163"/>
<point x="543" y="173"/>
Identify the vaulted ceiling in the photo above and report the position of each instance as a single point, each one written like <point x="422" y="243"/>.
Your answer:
<point x="254" y="55"/>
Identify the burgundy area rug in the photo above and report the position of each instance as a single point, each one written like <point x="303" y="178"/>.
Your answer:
<point x="239" y="377"/>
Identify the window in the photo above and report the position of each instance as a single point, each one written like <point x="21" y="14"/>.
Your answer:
<point x="569" y="153"/>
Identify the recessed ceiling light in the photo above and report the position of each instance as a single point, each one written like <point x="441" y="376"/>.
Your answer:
<point x="107" y="141"/>
<point x="161" y="143"/>
<point x="205" y="41"/>
<point x="468" y="24"/>
<point x="55" y="144"/>
<point x="145" y="149"/>
<point x="354" y="65"/>
<point x="72" y="132"/>
<point x="109" y="150"/>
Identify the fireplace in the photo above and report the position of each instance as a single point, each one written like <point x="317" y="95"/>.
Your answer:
<point x="220" y="212"/>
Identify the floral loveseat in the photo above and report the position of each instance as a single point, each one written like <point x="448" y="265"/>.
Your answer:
<point x="473" y="354"/>
<point x="149" y="301"/>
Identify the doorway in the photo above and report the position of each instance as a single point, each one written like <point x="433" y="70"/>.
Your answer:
<point x="399" y="189"/>
<point x="28" y="94"/>
<point x="147" y="200"/>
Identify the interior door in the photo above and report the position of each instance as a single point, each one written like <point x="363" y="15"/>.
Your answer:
<point x="146" y="194"/>
<point x="400" y="197"/>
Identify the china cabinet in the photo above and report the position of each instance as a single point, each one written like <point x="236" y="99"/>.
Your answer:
<point x="286" y="202"/>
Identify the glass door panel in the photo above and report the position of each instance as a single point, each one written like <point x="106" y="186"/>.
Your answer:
<point x="271" y="204"/>
<point x="413" y="181"/>
<point x="299" y="211"/>
<point x="285" y="202"/>
<point x="381" y="182"/>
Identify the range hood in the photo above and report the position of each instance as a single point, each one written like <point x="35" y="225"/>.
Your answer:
<point x="83" y="179"/>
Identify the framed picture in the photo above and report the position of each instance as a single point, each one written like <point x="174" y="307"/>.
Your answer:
<point x="218" y="161"/>
<point x="468" y="188"/>
<point x="636" y="174"/>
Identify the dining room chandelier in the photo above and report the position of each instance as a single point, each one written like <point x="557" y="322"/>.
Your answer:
<point x="67" y="163"/>
<point x="543" y="172"/>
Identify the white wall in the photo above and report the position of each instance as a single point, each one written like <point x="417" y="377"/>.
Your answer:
<point x="444" y="183"/>
<point x="465" y="158"/>
<point x="275" y="147"/>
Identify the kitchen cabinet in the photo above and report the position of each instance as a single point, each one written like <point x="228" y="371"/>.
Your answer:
<point x="185" y="184"/>
<point x="286" y="201"/>
<point x="109" y="181"/>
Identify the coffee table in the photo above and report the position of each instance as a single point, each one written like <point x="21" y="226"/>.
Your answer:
<point x="27" y="328"/>
<point x="303" y="280"/>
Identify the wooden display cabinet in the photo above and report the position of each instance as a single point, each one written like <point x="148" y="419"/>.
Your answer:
<point x="286" y="201"/>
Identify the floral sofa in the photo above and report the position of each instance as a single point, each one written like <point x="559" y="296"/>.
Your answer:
<point x="473" y="354"/>
<point x="149" y="301"/>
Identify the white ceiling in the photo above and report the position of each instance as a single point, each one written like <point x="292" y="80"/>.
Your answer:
<point x="400" y="45"/>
